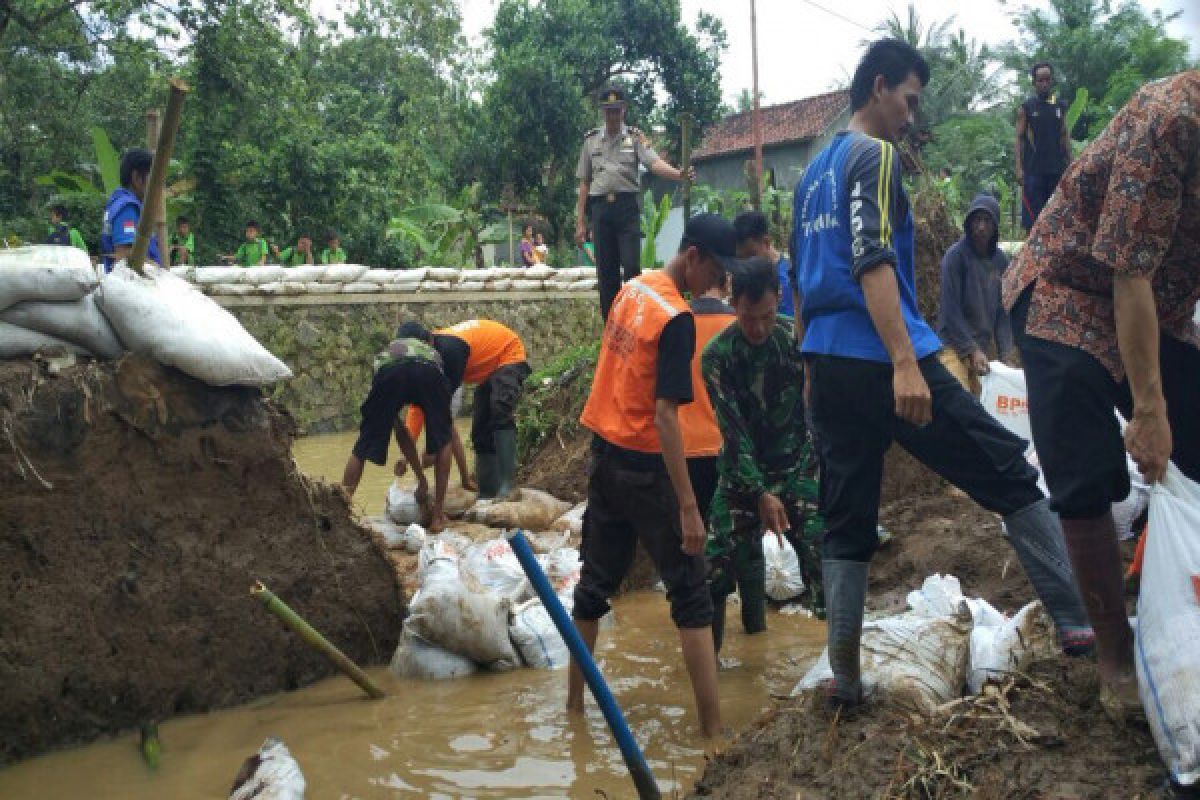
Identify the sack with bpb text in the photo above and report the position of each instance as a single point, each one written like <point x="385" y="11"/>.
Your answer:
<point x="1168" y="629"/>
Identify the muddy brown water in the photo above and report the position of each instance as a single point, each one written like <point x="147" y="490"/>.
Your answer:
<point x="487" y="736"/>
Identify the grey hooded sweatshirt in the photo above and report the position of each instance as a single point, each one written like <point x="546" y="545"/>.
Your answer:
<point x="971" y="315"/>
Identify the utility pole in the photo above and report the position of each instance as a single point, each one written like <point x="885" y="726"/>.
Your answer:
<point x="756" y="192"/>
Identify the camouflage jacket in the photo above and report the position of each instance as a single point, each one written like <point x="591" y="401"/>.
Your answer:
<point x="400" y="350"/>
<point x="757" y="394"/>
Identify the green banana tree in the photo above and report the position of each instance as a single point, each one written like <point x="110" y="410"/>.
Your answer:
<point x="653" y="219"/>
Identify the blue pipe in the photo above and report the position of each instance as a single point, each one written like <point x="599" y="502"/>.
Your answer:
<point x="639" y="770"/>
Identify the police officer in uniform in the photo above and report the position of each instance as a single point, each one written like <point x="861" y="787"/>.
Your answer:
<point x="609" y="193"/>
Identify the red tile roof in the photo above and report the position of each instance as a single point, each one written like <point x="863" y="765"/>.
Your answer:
<point x="786" y="122"/>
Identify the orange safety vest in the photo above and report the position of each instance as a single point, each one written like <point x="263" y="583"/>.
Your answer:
<point x="492" y="346"/>
<point x="701" y="435"/>
<point x="620" y="408"/>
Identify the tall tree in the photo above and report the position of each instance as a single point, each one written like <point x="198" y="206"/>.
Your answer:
<point x="548" y="60"/>
<point x="1108" y="49"/>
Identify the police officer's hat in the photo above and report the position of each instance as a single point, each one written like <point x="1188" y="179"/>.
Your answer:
<point x="612" y="97"/>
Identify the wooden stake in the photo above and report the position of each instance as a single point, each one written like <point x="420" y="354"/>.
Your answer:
<point x="158" y="176"/>
<point x="685" y="145"/>
<point x="315" y="640"/>
<point x="153" y="128"/>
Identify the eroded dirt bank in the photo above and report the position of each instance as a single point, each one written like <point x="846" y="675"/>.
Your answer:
<point x="137" y="507"/>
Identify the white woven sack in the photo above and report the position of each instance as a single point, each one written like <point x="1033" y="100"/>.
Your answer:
<point x="304" y="273"/>
<point x="381" y="275"/>
<point x="50" y="273"/>
<point x="79" y="322"/>
<point x="1168" y="630"/>
<point x="443" y="274"/>
<point x="206" y="276"/>
<point x="499" y="285"/>
<point x="523" y="285"/>
<point x="586" y="285"/>
<point x="163" y="316"/>
<point x="270" y="273"/>
<point x="436" y="286"/>
<point x="539" y="272"/>
<point x="362" y="287"/>
<point x="18" y="342"/>
<point x="236" y="289"/>
<point x="469" y="286"/>
<point x="343" y="273"/>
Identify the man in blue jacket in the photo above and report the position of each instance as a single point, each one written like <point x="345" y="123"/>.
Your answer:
<point x="973" y="323"/>
<point x="124" y="208"/>
<point x="874" y="373"/>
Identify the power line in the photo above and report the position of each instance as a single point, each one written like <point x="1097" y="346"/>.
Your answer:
<point x="842" y="17"/>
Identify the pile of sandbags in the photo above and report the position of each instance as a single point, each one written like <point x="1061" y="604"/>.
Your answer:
<point x="476" y="610"/>
<point x="53" y="300"/>
<point x="273" y="280"/>
<point x="944" y="645"/>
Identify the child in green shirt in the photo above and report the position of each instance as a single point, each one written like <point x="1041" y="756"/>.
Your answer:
<point x="183" y="242"/>
<point x="298" y="254"/>
<point x="253" y="251"/>
<point x="333" y="252"/>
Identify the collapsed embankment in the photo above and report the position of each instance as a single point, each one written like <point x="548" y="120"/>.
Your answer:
<point x="137" y="508"/>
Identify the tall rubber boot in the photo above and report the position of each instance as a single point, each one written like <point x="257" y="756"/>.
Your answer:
<point x="487" y="473"/>
<point x="1037" y="538"/>
<point x="845" y="599"/>
<point x="506" y="458"/>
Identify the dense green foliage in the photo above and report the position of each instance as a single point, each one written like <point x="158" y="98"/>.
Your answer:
<point x="387" y="127"/>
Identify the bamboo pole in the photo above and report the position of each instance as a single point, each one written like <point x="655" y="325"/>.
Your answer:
<point x="158" y="176"/>
<point x="314" y="639"/>
<point x="756" y="190"/>
<point x="153" y="129"/>
<point x="685" y="146"/>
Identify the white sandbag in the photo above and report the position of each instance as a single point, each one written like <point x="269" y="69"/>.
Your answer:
<point x="417" y="658"/>
<point x="270" y="774"/>
<point x="444" y="547"/>
<point x="184" y="271"/>
<point x="210" y="275"/>
<point x="783" y="569"/>
<point x="463" y="620"/>
<point x="268" y="273"/>
<point x="536" y="637"/>
<point x="415" y="275"/>
<point x="458" y="500"/>
<point x="563" y="567"/>
<point x="914" y="662"/>
<point x="428" y="285"/>
<point x="235" y="289"/>
<point x="401" y="506"/>
<point x="46" y="273"/>
<point x="79" y="322"/>
<point x="572" y="521"/>
<point x="539" y="272"/>
<point x="318" y="287"/>
<point x="304" y="273"/>
<point x="1005" y="398"/>
<point x="275" y="288"/>
<point x="413" y="538"/>
<point x="499" y="285"/>
<point x="529" y="509"/>
<point x="343" y="273"/>
<point x="469" y="286"/>
<point x="1168" y="629"/>
<point x="941" y="596"/>
<point x="576" y="273"/>
<point x="526" y="285"/>
<point x="362" y="287"/>
<point x="493" y="566"/>
<point x="393" y="534"/>
<point x="585" y="285"/>
<point x="380" y="276"/>
<point x="18" y="342"/>
<point x="557" y="285"/>
<point x="165" y="317"/>
<point x="449" y="274"/>
<point x="1001" y="650"/>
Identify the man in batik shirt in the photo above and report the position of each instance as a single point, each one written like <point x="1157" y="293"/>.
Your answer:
<point x="1102" y="299"/>
<point x="766" y="470"/>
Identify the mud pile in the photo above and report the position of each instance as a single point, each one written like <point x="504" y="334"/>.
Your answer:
<point x="138" y="507"/>
<point x="1042" y="734"/>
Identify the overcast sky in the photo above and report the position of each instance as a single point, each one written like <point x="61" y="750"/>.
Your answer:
<point x="807" y="47"/>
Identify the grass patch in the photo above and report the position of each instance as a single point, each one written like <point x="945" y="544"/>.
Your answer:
<point x="554" y="398"/>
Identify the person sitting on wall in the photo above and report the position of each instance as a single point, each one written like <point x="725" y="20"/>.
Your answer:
<point x="408" y="373"/>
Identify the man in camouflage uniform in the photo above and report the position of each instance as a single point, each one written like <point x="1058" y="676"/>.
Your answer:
<point x="767" y="470"/>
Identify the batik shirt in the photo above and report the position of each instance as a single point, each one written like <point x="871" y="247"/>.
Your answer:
<point x="1128" y="206"/>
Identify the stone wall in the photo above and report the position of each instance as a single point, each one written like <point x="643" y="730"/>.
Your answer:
<point x="329" y="341"/>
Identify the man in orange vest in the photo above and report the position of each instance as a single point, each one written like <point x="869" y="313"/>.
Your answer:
<point x="491" y="357"/>
<point x="639" y="488"/>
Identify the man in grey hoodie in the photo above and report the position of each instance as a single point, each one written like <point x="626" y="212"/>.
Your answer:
<point x="973" y="324"/>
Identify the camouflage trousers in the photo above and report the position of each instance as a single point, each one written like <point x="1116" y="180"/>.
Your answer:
<point x="735" y="555"/>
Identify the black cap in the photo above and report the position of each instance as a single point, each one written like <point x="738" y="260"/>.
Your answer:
<point x="412" y="330"/>
<point x="713" y="234"/>
<point x="612" y="97"/>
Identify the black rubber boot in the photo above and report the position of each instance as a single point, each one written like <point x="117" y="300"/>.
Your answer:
<point x="506" y="460"/>
<point x="487" y="473"/>
<point x="845" y="598"/>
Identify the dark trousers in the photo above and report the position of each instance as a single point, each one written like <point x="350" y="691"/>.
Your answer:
<point x="617" y="234"/>
<point x="1035" y="193"/>
<point x="625" y="505"/>
<point x="853" y="413"/>
<point x="1079" y="442"/>
<point x="702" y="471"/>
<point x="495" y="404"/>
